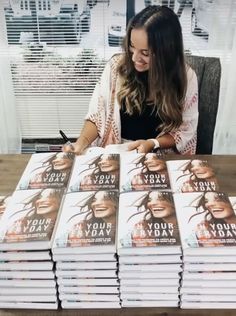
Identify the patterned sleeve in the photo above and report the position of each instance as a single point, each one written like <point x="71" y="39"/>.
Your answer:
<point x="186" y="135"/>
<point x="98" y="103"/>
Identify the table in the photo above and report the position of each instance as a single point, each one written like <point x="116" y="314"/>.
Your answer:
<point x="11" y="168"/>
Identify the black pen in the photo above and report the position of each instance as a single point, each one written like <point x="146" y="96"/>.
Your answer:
<point x="66" y="139"/>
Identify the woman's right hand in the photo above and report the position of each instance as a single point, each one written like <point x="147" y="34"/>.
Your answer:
<point x="77" y="148"/>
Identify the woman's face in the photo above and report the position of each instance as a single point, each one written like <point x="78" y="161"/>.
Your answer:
<point x="219" y="208"/>
<point x="62" y="161"/>
<point x="200" y="170"/>
<point x="153" y="163"/>
<point x="108" y="164"/>
<point x="139" y="49"/>
<point x="102" y="206"/>
<point x="47" y="202"/>
<point x="159" y="206"/>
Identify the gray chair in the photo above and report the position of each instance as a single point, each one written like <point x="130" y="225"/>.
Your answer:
<point x="208" y="71"/>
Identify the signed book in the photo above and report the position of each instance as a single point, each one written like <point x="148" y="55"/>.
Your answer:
<point x="47" y="170"/>
<point x="87" y="223"/>
<point x="95" y="172"/>
<point x="147" y="224"/>
<point x="207" y="223"/>
<point x="192" y="175"/>
<point x="29" y="219"/>
<point x="143" y="172"/>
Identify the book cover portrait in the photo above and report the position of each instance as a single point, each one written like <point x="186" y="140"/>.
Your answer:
<point x="206" y="219"/>
<point x="143" y="172"/>
<point x="192" y="176"/>
<point x="95" y="172"/>
<point x="30" y="215"/>
<point x="47" y="170"/>
<point x="147" y="218"/>
<point x="88" y="219"/>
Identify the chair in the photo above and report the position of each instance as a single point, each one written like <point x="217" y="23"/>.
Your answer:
<point x="208" y="71"/>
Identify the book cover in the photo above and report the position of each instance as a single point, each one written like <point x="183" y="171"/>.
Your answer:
<point x="191" y="175"/>
<point x="206" y="219"/>
<point x="143" y="172"/>
<point x="46" y="170"/>
<point x="147" y="219"/>
<point x="88" y="221"/>
<point x="95" y="172"/>
<point x="29" y="219"/>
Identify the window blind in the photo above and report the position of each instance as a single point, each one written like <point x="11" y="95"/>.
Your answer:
<point x="58" y="49"/>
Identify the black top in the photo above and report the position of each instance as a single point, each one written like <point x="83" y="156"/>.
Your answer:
<point x="140" y="126"/>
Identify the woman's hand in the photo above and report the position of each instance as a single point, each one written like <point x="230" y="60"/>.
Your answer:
<point x="77" y="148"/>
<point x="141" y="145"/>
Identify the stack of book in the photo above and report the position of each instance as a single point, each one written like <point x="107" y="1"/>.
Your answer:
<point x="148" y="238"/>
<point x="27" y="276"/>
<point x="84" y="247"/>
<point x="207" y="224"/>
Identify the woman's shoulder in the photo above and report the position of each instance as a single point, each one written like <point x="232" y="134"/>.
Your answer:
<point x="191" y="74"/>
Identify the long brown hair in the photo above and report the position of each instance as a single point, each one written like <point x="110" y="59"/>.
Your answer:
<point x="166" y="79"/>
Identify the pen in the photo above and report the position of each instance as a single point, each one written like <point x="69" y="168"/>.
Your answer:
<point x="66" y="139"/>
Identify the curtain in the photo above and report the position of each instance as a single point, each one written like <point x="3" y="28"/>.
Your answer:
<point x="223" y="28"/>
<point x="10" y="137"/>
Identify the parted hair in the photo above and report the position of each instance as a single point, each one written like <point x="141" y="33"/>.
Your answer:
<point x="165" y="82"/>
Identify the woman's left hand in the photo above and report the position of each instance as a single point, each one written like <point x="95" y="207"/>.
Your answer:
<point x="141" y="145"/>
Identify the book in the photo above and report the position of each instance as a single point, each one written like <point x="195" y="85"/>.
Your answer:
<point x="208" y="298"/>
<point x="46" y="170"/>
<point x="87" y="223"/>
<point x="88" y="289"/>
<point x="207" y="305"/>
<point x="143" y="172"/>
<point x="28" y="291"/>
<point x="192" y="175"/>
<point x="209" y="275"/>
<point x="84" y="257"/>
<point x="27" y="283"/>
<point x="28" y="298"/>
<point x="147" y="224"/>
<point x="4" y="275"/>
<point x="25" y="255"/>
<point x="224" y="283"/>
<point x="149" y="296"/>
<point x="210" y="259"/>
<point x="148" y="289"/>
<point x="29" y="305"/>
<point x="150" y="259"/>
<point x="99" y="297"/>
<point x="29" y="219"/>
<point x="26" y="266"/>
<point x="208" y="290"/>
<point x="95" y="172"/>
<point x="207" y="223"/>
<point x="150" y="282"/>
<point x="151" y="267"/>
<point x="78" y="304"/>
<point x="146" y="275"/>
<point x="85" y="273"/>
<point x="86" y="265"/>
<point x="149" y="303"/>
<point x="87" y="281"/>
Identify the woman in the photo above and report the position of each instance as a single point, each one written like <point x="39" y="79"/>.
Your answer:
<point x="200" y="177"/>
<point x="53" y="172"/>
<point x="159" y="223"/>
<point x="147" y="94"/>
<point x="219" y="225"/>
<point x="96" y="223"/>
<point x="39" y="213"/>
<point x="103" y="174"/>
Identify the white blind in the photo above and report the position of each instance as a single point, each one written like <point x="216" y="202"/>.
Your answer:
<point x="58" y="49"/>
